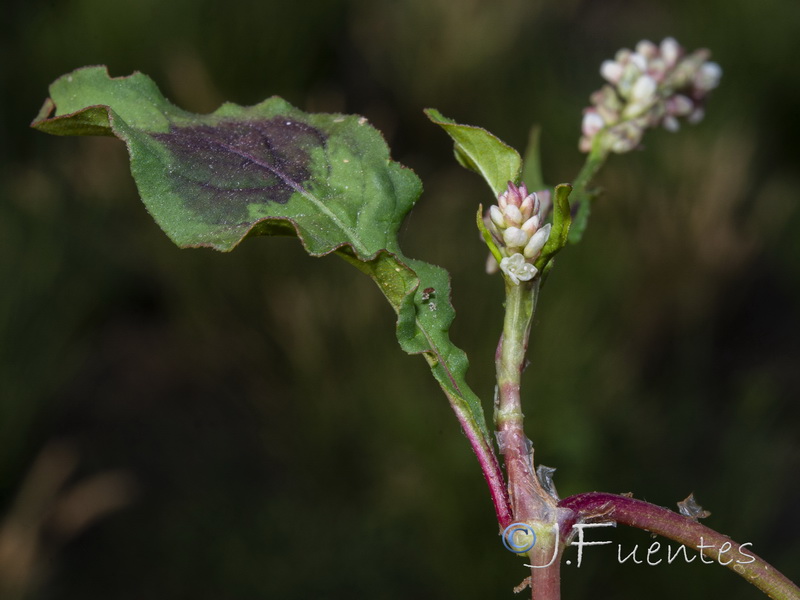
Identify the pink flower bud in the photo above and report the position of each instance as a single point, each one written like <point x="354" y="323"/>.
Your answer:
<point x="528" y="206"/>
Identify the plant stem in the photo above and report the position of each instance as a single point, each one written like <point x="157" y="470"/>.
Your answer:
<point x="391" y="274"/>
<point x="530" y="502"/>
<point x="509" y="362"/>
<point x="712" y="544"/>
<point x="487" y="460"/>
<point x="581" y="196"/>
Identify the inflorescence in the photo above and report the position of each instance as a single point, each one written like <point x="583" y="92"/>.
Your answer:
<point x="517" y="228"/>
<point x="655" y="85"/>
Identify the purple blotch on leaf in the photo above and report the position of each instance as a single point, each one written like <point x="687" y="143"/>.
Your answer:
<point x="221" y="169"/>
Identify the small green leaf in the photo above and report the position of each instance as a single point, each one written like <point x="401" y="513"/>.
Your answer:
<point x="559" y="234"/>
<point x="487" y="236"/>
<point x="480" y="151"/>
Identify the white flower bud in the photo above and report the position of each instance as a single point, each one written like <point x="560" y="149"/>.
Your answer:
<point x="592" y="123"/>
<point x="514" y="237"/>
<point x="644" y="90"/>
<point x="670" y="51"/>
<point x="531" y="225"/>
<point x="537" y="242"/>
<point x="708" y="76"/>
<point x="497" y="217"/>
<point x="513" y="215"/>
<point x="639" y="61"/>
<point x="611" y="71"/>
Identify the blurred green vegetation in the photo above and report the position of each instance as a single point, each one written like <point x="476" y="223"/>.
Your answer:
<point x="268" y="437"/>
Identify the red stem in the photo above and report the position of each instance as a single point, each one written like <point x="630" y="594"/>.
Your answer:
<point x="597" y="506"/>
<point x="490" y="466"/>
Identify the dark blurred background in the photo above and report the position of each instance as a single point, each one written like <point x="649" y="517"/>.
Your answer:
<point x="188" y="424"/>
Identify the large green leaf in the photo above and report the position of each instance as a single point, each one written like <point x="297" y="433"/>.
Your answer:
<point x="271" y="169"/>
<point x="211" y="180"/>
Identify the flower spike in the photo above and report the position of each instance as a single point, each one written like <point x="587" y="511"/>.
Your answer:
<point x="515" y="226"/>
<point x="651" y="86"/>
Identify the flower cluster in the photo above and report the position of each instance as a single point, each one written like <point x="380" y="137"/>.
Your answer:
<point x="655" y="85"/>
<point x="518" y="231"/>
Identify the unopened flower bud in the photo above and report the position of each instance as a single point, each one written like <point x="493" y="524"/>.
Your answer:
<point x="708" y="76"/>
<point x="514" y="237"/>
<point x="513" y="215"/>
<point x="670" y="51"/>
<point x="611" y="71"/>
<point x="529" y="206"/>
<point x="531" y="225"/>
<point x="497" y="216"/>
<point x="537" y="242"/>
<point x="644" y="90"/>
<point x="592" y="122"/>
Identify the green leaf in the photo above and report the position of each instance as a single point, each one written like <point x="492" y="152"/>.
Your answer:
<point x="420" y="294"/>
<point x="212" y="180"/>
<point x="486" y="235"/>
<point x="271" y="169"/>
<point x="480" y="151"/>
<point x="559" y="234"/>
